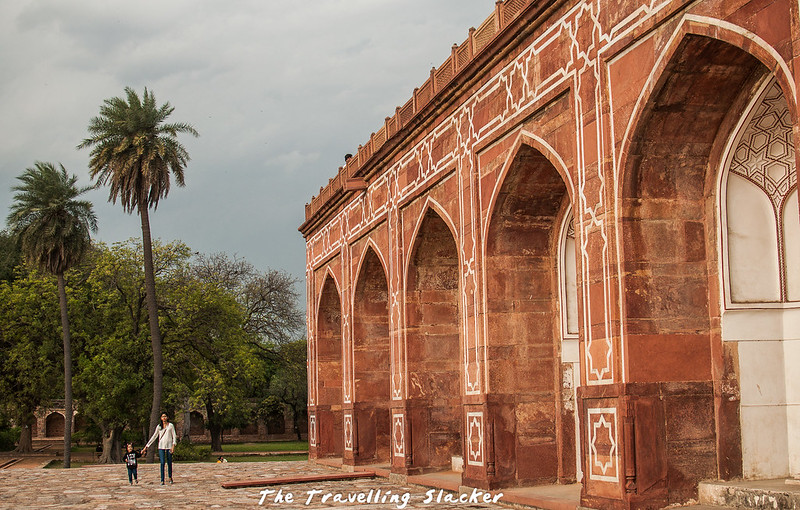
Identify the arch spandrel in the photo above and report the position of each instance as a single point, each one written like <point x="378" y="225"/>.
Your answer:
<point x="694" y="25"/>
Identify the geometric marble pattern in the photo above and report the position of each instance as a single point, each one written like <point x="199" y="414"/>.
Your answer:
<point x="764" y="156"/>
<point x="764" y="153"/>
<point x="475" y="439"/>
<point x="603" y="459"/>
<point x="398" y="435"/>
<point x="348" y="432"/>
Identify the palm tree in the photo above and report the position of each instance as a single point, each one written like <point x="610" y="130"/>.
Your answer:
<point x="53" y="228"/>
<point x="133" y="152"/>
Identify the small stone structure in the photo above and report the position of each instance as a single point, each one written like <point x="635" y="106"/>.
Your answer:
<point x="49" y="424"/>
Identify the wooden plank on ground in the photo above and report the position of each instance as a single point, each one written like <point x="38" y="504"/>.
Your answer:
<point x="286" y="480"/>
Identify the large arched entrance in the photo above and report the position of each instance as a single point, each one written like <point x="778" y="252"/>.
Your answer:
<point x="673" y="351"/>
<point x="433" y="346"/>
<point x="372" y="361"/>
<point x="330" y="442"/>
<point x="534" y="427"/>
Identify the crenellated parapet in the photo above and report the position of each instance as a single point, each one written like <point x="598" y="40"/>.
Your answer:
<point x="463" y="58"/>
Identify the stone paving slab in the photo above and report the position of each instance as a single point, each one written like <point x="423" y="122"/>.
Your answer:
<point x="200" y="486"/>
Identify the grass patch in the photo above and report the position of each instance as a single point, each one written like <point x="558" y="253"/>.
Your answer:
<point x="267" y="458"/>
<point x="83" y="449"/>
<point x="274" y="446"/>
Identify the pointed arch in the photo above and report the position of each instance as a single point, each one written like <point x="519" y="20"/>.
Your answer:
<point x="433" y="343"/>
<point x="667" y="234"/>
<point x="522" y="320"/>
<point x="430" y="205"/>
<point x="371" y="245"/>
<point x="666" y="231"/>
<point x="329" y="274"/>
<point x="530" y="140"/>
<point x="757" y="166"/>
<point x="329" y="369"/>
<point x="54" y="424"/>
<point x="567" y="263"/>
<point x="371" y="359"/>
<point x="720" y="30"/>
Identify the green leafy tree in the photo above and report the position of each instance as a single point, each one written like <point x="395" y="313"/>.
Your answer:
<point x="118" y="283"/>
<point x="134" y="151"/>
<point x="29" y="341"/>
<point x="289" y="384"/>
<point x="119" y="270"/>
<point x="10" y="255"/>
<point x="113" y="383"/>
<point x="271" y="322"/>
<point x="54" y="231"/>
<point x="210" y="355"/>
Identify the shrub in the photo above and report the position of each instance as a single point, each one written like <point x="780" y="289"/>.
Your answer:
<point x="9" y="438"/>
<point x="187" y="451"/>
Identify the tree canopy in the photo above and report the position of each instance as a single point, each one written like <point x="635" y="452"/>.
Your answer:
<point x="53" y="226"/>
<point x="214" y="359"/>
<point x="134" y="149"/>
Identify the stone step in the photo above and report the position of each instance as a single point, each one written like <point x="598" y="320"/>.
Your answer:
<point x="778" y="494"/>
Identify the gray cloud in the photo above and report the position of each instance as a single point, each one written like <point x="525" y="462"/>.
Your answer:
<point x="279" y="92"/>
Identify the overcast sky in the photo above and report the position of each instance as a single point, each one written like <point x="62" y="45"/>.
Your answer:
<point x="279" y="91"/>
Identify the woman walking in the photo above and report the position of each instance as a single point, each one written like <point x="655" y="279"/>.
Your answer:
<point x="167" y="439"/>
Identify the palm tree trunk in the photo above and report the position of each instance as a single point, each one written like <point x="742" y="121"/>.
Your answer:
<point x="62" y="298"/>
<point x="152" y="311"/>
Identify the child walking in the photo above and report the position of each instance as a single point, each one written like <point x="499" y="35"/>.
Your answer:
<point x="133" y="465"/>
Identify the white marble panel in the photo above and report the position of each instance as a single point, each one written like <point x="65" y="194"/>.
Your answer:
<point x="752" y="243"/>
<point x="750" y="324"/>
<point x="791" y="323"/>
<point x="571" y="284"/>
<point x="570" y="351"/>
<point x="791" y="363"/>
<point x="761" y="373"/>
<point x="791" y="236"/>
<point x="793" y="426"/>
<point x="764" y="442"/>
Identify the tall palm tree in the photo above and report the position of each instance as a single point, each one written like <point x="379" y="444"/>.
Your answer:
<point x="54" y="227"/>
<point x="134" y="151"/>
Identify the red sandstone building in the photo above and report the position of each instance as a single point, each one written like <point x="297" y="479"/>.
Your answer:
<point x="572" y="255"/>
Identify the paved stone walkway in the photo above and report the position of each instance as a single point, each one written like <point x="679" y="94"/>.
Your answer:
<point x="199" y="486"/>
